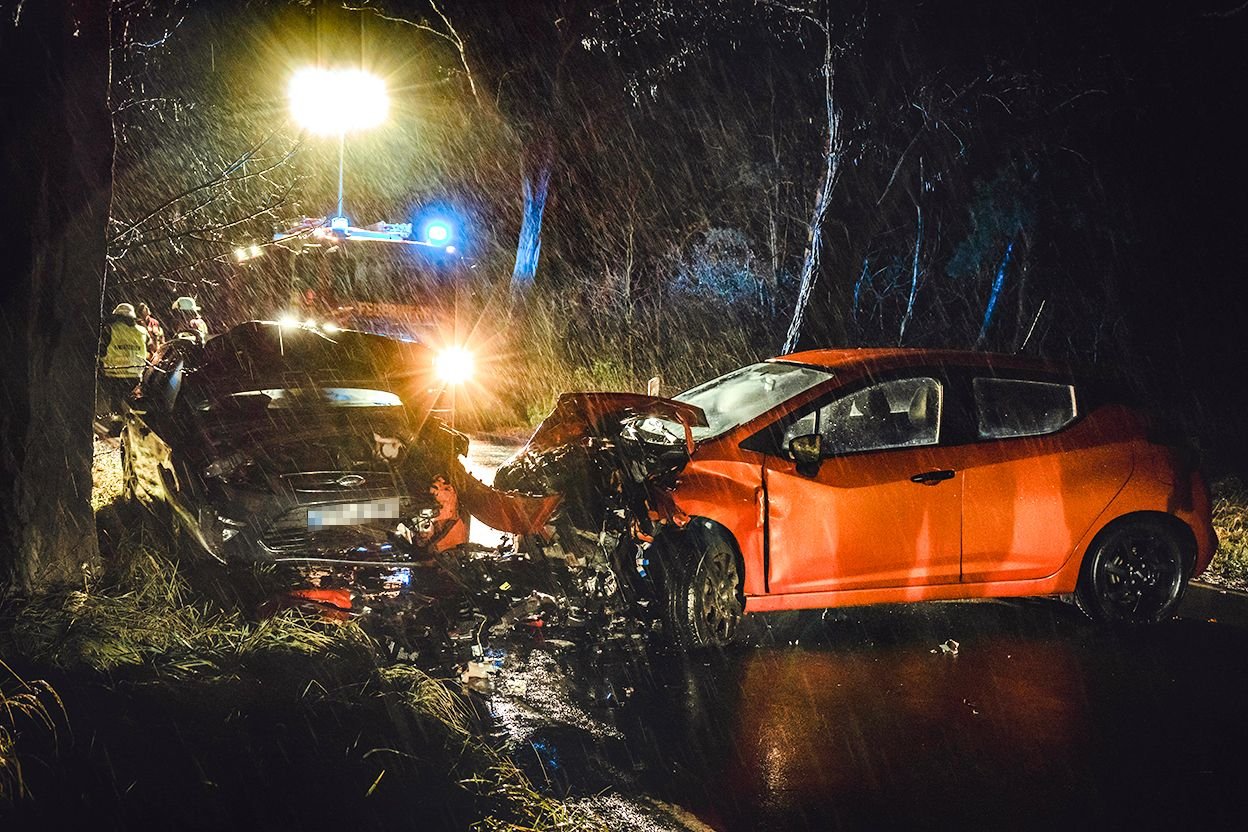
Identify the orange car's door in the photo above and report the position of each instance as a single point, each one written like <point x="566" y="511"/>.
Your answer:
<point x="1034" y="482"/>
<point x="884" y="507"/>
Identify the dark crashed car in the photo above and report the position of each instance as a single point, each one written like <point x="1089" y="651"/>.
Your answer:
<point x="312" y="449"/>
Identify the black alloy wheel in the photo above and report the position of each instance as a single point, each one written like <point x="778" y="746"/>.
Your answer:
<point x="704" y="597"/>
<point x="1135" y="573"/>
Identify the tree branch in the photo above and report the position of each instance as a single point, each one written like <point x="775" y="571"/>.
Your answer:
<point x="451" y="35"/>
<point x="221" y="178"/>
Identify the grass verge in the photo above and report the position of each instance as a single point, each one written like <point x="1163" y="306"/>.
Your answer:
<point x="164" y="654"/>
<point x="1230" y="520"/>
<point x="22" y="702"/>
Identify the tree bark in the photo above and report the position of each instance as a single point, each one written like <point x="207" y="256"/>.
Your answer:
<point x="998" y="283"/>
<point x="831" y="172"/>
<point x="915" y="272"/>
<point x="56" y="152"/>
<point x="534" y="189"/>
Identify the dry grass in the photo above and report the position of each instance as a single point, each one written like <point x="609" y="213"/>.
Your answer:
<point x="141" y="616"/>
<point x="141" y="620"/>
<point x="549" y="354"/>
<point x="21" y="701"/>
<point x="481" y="768"/>
<point x="105" y="473"/>
<point x="1230" y="519"/>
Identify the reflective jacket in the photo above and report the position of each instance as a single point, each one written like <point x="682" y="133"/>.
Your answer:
<point x="126" y="352"/>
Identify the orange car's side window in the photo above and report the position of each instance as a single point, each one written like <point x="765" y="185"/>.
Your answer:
<point x="1007" y="408"/>
<point x="901" y="413"/>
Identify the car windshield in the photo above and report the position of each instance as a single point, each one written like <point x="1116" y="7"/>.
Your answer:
<point x="304" y="397"/>
<point x="741" y="395"/>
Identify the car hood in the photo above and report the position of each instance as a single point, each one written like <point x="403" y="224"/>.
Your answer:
<point x="580" y="415"/>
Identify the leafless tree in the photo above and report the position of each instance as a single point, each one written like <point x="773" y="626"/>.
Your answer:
<point x="833" y="156"/>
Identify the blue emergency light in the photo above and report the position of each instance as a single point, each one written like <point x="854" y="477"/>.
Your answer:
<point x="438" y="232"/>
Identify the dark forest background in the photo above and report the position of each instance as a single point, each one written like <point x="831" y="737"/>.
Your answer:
<point x="1053" y="179"/>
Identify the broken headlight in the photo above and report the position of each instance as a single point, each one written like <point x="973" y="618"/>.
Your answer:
<point x="651" y="448"/>
<point x="651" y="431"/>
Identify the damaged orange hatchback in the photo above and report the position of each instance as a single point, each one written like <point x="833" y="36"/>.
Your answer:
<point x="842" y="477"/>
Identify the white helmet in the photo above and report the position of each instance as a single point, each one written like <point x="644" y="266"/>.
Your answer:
<point x="185" y="304"/>
<point x="124" y="309"/>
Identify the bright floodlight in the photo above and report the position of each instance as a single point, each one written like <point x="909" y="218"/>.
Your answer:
<point x="454" y="365"/>
<point x="335" y="101"/>
<point x="288" y="321"/>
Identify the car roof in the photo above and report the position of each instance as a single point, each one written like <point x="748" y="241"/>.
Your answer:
<point x="265" y="353"/>
<point x="875" y="359"/>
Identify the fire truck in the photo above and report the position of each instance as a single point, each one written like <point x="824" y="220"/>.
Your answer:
<point x="381" y="278"/>
<point x="385" y="278"/>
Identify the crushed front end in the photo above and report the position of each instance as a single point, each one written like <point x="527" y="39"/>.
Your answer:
<point x="614" y="459"/>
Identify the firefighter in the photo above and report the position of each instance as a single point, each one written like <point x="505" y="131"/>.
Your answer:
<point x="155" y="332"/>
<point x="187" y="322"/>
<point x="123" y="355"/>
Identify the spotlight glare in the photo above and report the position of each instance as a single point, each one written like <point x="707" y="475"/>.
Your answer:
<point x="335" y="101"/>
<point x="454" y="365"/>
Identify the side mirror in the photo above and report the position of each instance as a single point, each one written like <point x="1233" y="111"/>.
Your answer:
<point x="807" y="452"/>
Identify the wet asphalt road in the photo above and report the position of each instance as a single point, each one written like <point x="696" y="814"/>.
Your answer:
<point x="1040" y="721"/>
<point x="857" y="719"/>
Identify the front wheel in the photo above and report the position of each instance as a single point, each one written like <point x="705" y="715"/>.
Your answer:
<point x="1134" y="573"/>
<point x="704" y="603"/>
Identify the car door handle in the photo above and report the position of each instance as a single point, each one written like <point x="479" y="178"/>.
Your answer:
<point x="932" y="477"/>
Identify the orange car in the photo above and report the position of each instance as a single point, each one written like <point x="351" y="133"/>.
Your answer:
<point x="840" y="477"/>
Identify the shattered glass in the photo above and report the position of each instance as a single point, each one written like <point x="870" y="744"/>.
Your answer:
<point x="744" y="394"/>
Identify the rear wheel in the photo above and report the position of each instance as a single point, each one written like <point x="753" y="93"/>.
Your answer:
<point x="704" y="603"/>
<point x="1134" y="573"/>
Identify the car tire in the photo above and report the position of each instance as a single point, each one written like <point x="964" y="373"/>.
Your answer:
<point x="704" y="603"/>
<point x="1134" y="573"/>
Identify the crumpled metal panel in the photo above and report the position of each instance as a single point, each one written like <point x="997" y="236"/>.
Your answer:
<point x="577" y="415"/>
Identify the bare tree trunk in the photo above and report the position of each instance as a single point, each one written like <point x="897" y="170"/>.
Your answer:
<point x="767" y="305"/>
<point x="914" y="267"/>
<point x="994" y="295"/>
<point x="56" y="155"/>
<point x="831" y="172"/>
<point x="1021" y="330"/>
<point x="534" y="188"/>
<point x="771" y="279"/>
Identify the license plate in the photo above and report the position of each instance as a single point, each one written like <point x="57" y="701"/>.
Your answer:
<point x="353" y="514"/>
